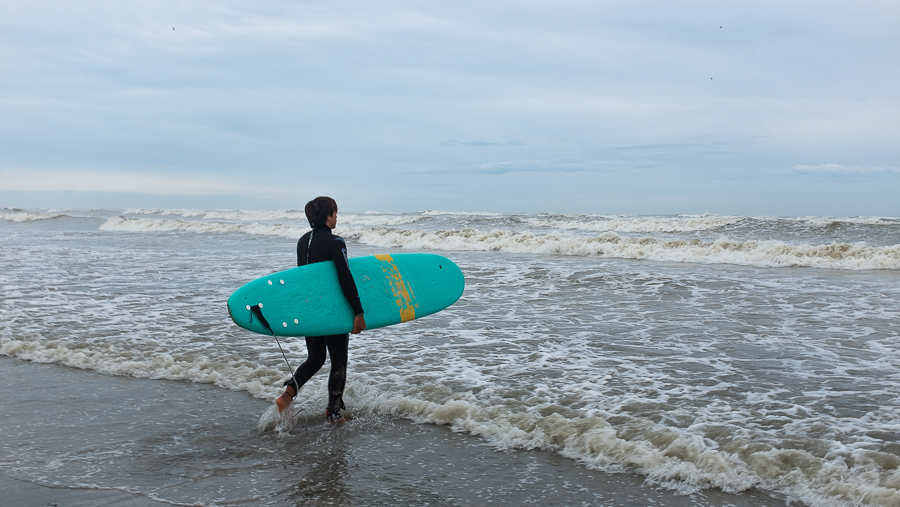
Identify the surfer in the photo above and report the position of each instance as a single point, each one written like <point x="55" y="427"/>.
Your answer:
<point x="320" y="245"/>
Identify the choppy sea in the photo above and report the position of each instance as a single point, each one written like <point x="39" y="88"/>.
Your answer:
<point x="592" y="360"/>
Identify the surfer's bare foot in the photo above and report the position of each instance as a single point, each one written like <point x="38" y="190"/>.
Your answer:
<point x="286" y="398"/>
<point x="334" y="417"/>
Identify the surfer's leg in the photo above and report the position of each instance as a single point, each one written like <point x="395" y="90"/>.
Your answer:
<point x="337" y="349"/>
<point x="315" y="346"/>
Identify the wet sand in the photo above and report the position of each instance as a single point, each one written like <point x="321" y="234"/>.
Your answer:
<point x="26" y="494"/>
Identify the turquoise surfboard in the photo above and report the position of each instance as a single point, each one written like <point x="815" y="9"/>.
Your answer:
<point x="308" y="301"/>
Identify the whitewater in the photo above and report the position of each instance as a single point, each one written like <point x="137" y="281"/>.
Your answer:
<point x="696" y="352"/>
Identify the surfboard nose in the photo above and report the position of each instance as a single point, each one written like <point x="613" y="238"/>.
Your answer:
<point x="448" y="275"/>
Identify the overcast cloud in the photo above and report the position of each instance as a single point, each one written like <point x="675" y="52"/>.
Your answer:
<point x="594" y="107"/>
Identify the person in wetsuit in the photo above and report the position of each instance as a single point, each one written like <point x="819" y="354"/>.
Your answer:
<point x="320" y="245"/>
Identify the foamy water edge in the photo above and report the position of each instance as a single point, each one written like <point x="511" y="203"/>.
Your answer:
<point x="677" y="459"/>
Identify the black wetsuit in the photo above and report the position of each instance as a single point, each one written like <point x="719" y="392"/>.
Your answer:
<point x="320" y="245"/>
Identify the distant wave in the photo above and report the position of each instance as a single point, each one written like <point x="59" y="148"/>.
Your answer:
<point x="461" y="213"/>
<point x="125" y="224"/>
<point x="122" y="224"/>
<point x="722" y="251"/>
<point x="23" y="216"/>
<point x="621" y="223"/>
<point x="249" y="215"/>
<point x="370" y="219"/>
<point x="166" y="212"/>
<point x="242" y="215"/>
<point x="593" y="223"/>
<point x="375" y="220"/>
<point x="831" y="221"/>
<point x="684" y="223"/>
<point x="763" y="253"/>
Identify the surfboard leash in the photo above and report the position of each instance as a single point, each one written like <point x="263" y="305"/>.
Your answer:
<point x="294" y="382"/>
<point x="257" y="310"/>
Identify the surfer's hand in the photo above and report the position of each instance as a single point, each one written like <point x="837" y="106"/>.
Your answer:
<point x="359" y="323"/>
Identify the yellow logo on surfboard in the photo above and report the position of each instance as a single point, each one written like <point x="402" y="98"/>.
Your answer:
<point x="403" y="293"/>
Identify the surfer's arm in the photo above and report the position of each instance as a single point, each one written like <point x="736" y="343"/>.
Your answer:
<point x="339" y="256"/>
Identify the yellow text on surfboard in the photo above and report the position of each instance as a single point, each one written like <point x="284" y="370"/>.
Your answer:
<point x="403" y="293"/>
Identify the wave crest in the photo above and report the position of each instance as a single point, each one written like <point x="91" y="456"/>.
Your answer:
<point x="679" y="223"/>
<point x="24" y="216"/>
<point x="227" y="370"/>
<point x="671" y="457"/>
<point x="763" y="253"/>
<point x="123" y="224"/>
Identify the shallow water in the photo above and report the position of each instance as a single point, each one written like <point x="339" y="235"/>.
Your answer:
<point x="191" y="444"/>
<point x="653" y="346"/>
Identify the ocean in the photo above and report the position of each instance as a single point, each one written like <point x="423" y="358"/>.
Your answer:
<point x="592" y="360"/>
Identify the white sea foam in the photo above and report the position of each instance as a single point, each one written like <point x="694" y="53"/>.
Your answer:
<point x="23" y="216"/>
<point x="597" y="223"/>
<point x="299" y="217"/>
<point x="461" y="213"/>
<point x="767" y="253"/>
<point x="722" y="251"/>
<point x="280" y="422"/>
<point x="123" y="224"/>
<point x="224" y="369"/>
<point x="237" y="215"/>
<point x="183" y="212"/>
<point x="831" y="221"/>
<point x="622" y="223"/>
<point x="379" y="220"/>
<point x="165" y="212"/>
<point x="676" y="458"/>
<point x="251" y="215"/>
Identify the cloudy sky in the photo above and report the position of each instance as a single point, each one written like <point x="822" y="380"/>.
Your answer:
<point x="645" y="107"/>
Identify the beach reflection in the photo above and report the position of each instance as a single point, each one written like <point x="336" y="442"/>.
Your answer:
<point x="321" y="476"/>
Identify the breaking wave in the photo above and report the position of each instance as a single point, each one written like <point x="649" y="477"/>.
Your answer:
<point x="122" y="224"/>
<point x="768" y="253"/>
<point x="460" y="213"/>
<point x="832" y="221"/>
<point x="367" y="219"/>
<point x="679" y="223"/>
<point x="376" y="220"/>
<point x="166" y="212"/>
<point x="24" y="216"/>
<point x="676" y="458"/>
<point x="762" y="253"/>
<point x="680" y="459"/>
<point x="223" y="369"/>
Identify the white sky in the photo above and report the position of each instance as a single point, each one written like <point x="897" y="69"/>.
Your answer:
<point x="776" y="108"/>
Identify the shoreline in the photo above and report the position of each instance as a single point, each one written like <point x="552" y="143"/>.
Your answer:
<point x="22" y="493"/>
<point x="197" y="444"/>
